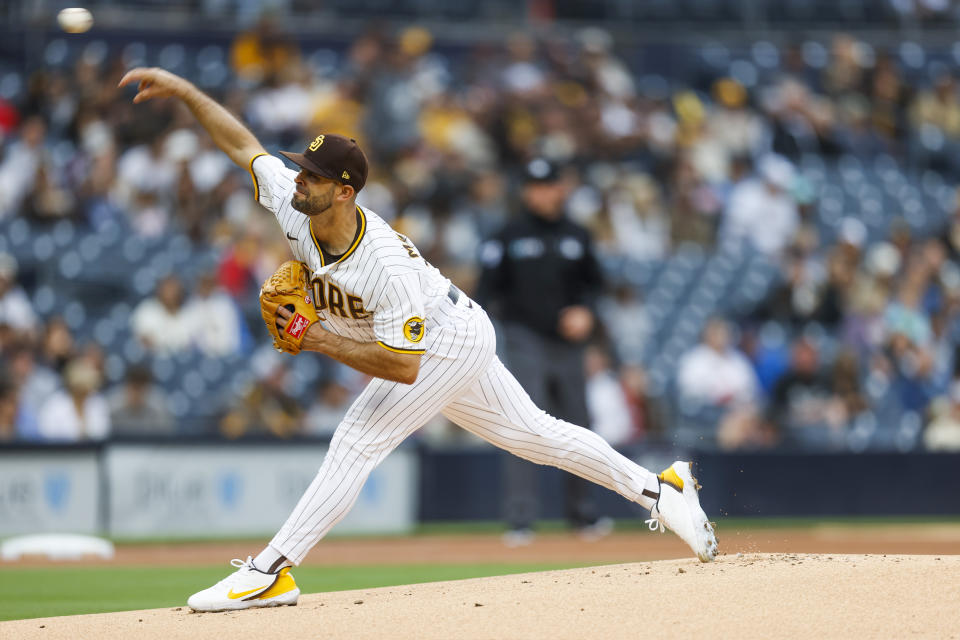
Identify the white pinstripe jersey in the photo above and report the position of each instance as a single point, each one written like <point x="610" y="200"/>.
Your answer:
<point x="381" y="290"/>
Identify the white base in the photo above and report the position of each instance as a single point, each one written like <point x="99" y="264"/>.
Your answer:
<point x="56" y="546"/>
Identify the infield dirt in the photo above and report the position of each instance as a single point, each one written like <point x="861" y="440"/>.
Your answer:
<point x="742" y="596"/>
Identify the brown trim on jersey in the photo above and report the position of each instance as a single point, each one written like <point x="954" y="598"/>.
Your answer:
<point x="323" y="262"/>
<point x="256" y="185"/>
<point x="326" y="258"/>
<point x="362" y="229"/>
<point x="395" y="350"/>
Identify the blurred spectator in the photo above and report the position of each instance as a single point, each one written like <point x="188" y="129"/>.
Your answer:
<point x="769" y="352"/>
<point x="803" y="406"/>
<point x="339" y="108"/>
<point x="890" y="96"/>
<point x="282" y="106"/>
<point x="904" y="316"/>
<point x="328" y="409"/>
<point x="9" y="119"/>
<point x="849" y="401"/>
<point x="943" y="432"/>
<point x="258" y="53"/>
<point x="610" y="74"/>
<point x="646" y="410"/>
<point x="638" y="224"/>
<point x="625" y="318"/>
<point x="18" y="421"/>
<point x="49" y="199"/>
<point x="15" y="309"/>
<point x="213" y="318"/>
<point x="9" y="410"/>
<point x="21" y="162"/>
<point x="398" y="90"/>
<point x="35" y="382"/>
<point x="150" y="217"/>
<point x="870" y="292"/>
<point x="951" y="234"/>
<point x="733" y="125"/>
<point x="266" y="407"/>
<point x="802" y="120"/>
<point x="855" y="133"/>
<point x="146" y="169"/>
<point x="694" y="205"/>
<point x="57" y="345"/>
<point x="522" y="73"/>
<point x="762" y="208"/>
<point x="606" y="401"/>
<point x="79" y="412"/>
<point x="715" y="374"/>
<point x="477" y="214"/>
<point x="237" y="270"/>
<point x="909" y="339"/>
<point x="845" y="73"/>
<point x="799" y="297"/>
<point x="138" y="407"/>
<point x="938" y="107"/>
<point x="161" y="322"/>
<point x="912" y="367"/>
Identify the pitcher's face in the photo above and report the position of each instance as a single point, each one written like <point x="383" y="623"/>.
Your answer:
<point x="314" y="194"/>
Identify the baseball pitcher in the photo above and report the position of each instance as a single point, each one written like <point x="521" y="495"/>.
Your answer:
<point x="361" y="293"/>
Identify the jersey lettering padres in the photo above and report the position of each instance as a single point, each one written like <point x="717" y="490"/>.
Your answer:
<point x="381" y="290"/>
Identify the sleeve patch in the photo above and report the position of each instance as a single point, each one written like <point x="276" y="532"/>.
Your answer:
<point x="413" y="329"/>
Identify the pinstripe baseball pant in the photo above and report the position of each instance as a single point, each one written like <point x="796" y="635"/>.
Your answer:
<point x="462" y="378"/>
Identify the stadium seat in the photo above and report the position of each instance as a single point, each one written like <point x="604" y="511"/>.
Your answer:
<point x="11" y="86"/>
<point x="95" y="52"/>
<point x="172" y="57"/>
<point x="193" y="384"/>
<point x="104" y="331"/>
<point x="116" y="368"/>
<point x="44" y="300"/>
<point x="74" y="314"/>
<point x="912" y="55"/>
<point x="134" y="55"/>
<point x="56" y="53"/>
<point x="133" y="351"/>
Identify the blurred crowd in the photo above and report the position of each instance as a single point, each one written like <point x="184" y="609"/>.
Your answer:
<point x="651" y="165"/>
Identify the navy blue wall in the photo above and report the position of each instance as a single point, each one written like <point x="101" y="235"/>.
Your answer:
<point x="467" y="486"/>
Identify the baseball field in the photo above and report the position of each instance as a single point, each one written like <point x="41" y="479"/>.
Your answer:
<point x="874" y="579"/>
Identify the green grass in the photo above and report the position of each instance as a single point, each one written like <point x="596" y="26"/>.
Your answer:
<point x="496" y="527"/>
<point x="37" y="592"/>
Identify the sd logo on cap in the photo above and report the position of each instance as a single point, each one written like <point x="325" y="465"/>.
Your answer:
<point x="335" y="157"/>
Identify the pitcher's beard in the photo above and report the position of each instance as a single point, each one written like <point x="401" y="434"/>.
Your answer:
<point x="312" y="206"/>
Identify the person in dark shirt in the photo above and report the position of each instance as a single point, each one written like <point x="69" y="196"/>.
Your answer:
<point x="540" y="277"/>
<point x="802" y="405"/>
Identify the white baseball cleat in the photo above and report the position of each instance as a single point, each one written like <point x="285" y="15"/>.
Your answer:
<point x="247" y="587"/>
<point x="678" y="508"/>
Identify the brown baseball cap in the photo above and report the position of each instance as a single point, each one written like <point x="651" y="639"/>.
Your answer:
<point x="333" y="156"/>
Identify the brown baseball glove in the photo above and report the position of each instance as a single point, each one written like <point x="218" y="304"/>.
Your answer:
<point x="288" y="287"/>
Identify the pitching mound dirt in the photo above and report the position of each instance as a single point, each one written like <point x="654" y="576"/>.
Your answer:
<point x="748" y="596"/>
